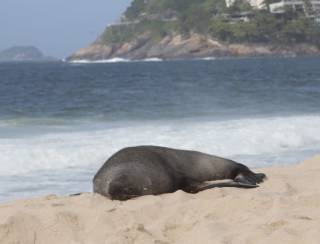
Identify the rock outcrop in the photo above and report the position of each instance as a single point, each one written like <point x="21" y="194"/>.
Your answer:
<point x="179" y="47"/>
<point x="23" y="53"/>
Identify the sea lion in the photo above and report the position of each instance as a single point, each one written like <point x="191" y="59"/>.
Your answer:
<point x="153" y="170"/>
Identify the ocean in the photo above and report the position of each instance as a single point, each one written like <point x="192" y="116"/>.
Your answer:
<point x="59" y="122"/>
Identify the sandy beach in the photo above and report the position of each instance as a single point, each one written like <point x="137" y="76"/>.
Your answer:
<point x="284" y="209"/>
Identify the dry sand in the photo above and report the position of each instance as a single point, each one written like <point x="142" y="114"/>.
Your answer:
<point x="285" y="209"/>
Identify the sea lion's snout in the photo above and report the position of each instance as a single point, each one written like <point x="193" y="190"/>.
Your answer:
<point x="250" y="178"/>
<point x="261" y="177"/>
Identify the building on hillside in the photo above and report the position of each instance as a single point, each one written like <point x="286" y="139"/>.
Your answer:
<point x="257" y="4"/>
<point x="309" y="7"/>
<point x="239" y="17"/>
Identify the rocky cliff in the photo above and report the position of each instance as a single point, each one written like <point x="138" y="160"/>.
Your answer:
<point x="176" y="29"/>
<point x="178" y="47"/>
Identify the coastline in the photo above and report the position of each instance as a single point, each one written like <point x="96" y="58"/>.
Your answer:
<point x="284" y="209"/>
<point x="173" y="47"/>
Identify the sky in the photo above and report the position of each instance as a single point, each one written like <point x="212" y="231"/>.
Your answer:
<point x="57" y="27"/>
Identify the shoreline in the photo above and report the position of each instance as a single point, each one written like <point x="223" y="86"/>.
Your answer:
<point x="196" y="46"/>
<point x="159" y="60"/>
<point x="284" y="209"/>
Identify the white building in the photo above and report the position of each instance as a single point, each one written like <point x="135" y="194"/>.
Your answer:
<point x="297" y="5"/>
<point x="257" y="4"/>
<point x="309" y="7"/>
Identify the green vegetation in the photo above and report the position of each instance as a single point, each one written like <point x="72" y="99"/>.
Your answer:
<point x="266" y="28"/>
<point x="212" y="18"/>
<point x="127" y="32"/>
<point x="21" y="53"/>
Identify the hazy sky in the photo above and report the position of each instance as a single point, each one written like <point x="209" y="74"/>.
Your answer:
<point x="57" y="27"/>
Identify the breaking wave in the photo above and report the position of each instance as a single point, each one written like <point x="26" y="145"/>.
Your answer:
<point x="113" y="60"/>
<point x="259" y="141"/>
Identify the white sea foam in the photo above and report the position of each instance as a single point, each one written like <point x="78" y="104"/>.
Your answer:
<point x="119" y="60"/>
<point x="152" y="60"/>
<point x="113" y="60"/>
<point x="238" y="139"/>
<point x="208" y="58"/>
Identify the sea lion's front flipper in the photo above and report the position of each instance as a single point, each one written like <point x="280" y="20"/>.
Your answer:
<point x="197" y="187"/>
<point x="228" y="184"/>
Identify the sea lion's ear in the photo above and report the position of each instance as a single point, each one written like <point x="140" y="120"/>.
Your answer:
<point x="240" y="178"/>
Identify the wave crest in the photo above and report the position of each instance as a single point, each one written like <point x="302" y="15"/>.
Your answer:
<point x="237" y="139"/>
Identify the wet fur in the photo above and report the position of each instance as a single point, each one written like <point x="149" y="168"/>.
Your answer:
<point x="151" y="170"/>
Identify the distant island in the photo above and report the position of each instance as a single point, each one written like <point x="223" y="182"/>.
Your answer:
<point x="174" y="29"/>
<point x="23" y="53"/>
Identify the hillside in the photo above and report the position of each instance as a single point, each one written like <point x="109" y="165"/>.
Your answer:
<point x="201" y="28"/>
<point x="22" y="53"/>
